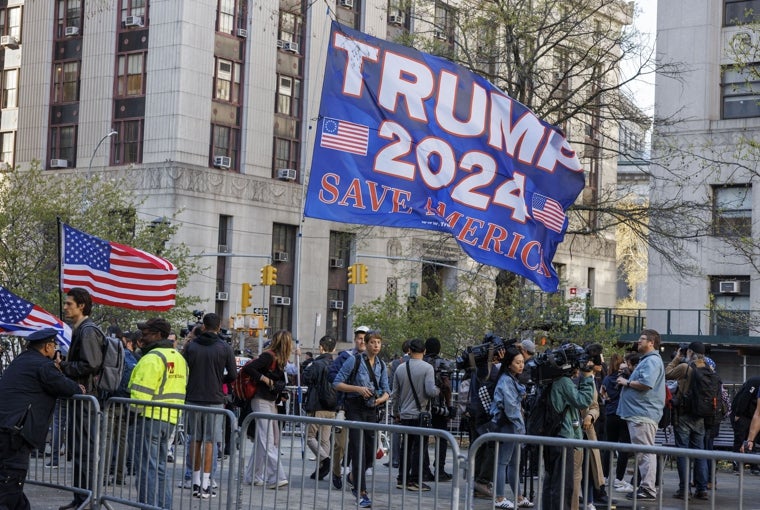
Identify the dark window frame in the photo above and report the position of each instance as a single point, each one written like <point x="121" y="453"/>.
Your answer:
<point x="121" y="143"/>
<point x="231" y="149"/>
<point x="734" y="221"/>
<point x="59" y="93"/>
<point x="743" y="89"/>
<point x="123" y="77"/>
<point x="56" y="151"/>
<point x="735" y="12"/>
<point x="68" y="17"/>
<point x="230" y="22"/>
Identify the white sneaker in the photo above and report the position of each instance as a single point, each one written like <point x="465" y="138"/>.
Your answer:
<point x="623" y="486"/>
<point x="186" y="484"/>
<point x="590" y="506"/>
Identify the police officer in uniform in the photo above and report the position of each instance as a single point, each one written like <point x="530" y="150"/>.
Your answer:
<point x="29" y="386"/>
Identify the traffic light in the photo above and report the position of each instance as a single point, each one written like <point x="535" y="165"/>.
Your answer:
<point x="272" y="275"/>
<point x="352" y="274"/>
<point x="269" y="275"/>
<point x="246" y="301"/>
<point x="362" y="273"/>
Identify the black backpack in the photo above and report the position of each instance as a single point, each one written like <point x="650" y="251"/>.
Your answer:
<point x="704" y="396"/>
<point x="543" y="419"/>
<point x="743" y="403"/>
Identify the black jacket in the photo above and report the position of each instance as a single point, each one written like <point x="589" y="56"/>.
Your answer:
<point x="211" y="363"/>
<point x="32" y="380"/>
<point x="85" y="357"/>
<point x="261" y="366"/>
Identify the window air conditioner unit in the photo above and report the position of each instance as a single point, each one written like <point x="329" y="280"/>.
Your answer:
<point x="728" y="287"/>
<point x="9" y="41"/>
<point x="280" y="43"/>
<point x="222" y="296"/>
<point x="336" y="262"/>
<point x="290" y="46"/>
<point x="59" y="163"/>
<point x="281" y="300"/>
<point x="396" y="19"/>
<point x="242" y="32"/>
<point x="222" y="161"/>
<point x="133" y="21"/>
<point x="440" y="35"/>
<point x="71" y="31"/>
<point x="223" y="248"/>
<point x="286" y="174"/>
<point x="336" y="304"/>
<point x="280" y="256"/>
<point x="349" y="4"/>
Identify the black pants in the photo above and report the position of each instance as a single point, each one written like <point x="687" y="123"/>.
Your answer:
<point x="439" y="423"/>
<point x="484" y="458"/>
<point x="361" y="443"/>
<point x="409" y="460"/>
<point x="14" y="463"/>
<point x="555" y="496"/>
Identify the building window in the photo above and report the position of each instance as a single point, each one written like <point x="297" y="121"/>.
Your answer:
<point x="224" y="142"/>
<point x="290" y="27"/>
<point x="8" y="142"/>
<point x="66" y="82"/>
<point x="732" y="210"/>
<point x="227" y="81"/>
<point x="741" y="12"/>
<point x="740" y="88"/>
<point x="288" y="96"/>
<point x="230" y="16"/>
<point x="445" y="21"/>
<point x="10" y="22"/>
<point x="69" y="15"/>
<point x="10" y="88"/>
<point x="730" y="299"/>
<point x="63" y="144"/>
<point x="337" y="306"/>
<point x="127" y="144"/>
<point x="134" y="8"/>
<point x="130" y="74"/>
<point x="286" y="153"/>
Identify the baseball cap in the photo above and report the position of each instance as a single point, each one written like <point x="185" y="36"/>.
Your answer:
<point x="362" y="329"/>
<point x="529" y="346"/>
<point x="697" y="347"/>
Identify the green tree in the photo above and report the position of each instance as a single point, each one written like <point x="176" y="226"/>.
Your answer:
<point x="31" y="200"/>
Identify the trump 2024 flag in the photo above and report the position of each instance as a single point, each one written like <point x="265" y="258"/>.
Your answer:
<point x="19" y="317"/>
<point x="410" y="140"/>
<point x="115" y="274"/>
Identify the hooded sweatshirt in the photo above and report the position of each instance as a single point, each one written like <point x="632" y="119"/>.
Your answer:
<point x="211" y="362"/>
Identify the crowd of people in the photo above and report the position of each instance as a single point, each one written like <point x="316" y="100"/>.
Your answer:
<point x="622" y="401"/>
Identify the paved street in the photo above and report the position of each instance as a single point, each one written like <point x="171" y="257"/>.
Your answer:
<point x="303" y="492"/>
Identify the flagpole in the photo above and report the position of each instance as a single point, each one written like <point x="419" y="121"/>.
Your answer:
<point x="60" y="264"/>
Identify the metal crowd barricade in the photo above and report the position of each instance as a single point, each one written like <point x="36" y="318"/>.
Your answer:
<point x="532" y="478"/>
<point x="70" y="460"/>
<point x="302" y="492"/>
<point x="123" y="456"/>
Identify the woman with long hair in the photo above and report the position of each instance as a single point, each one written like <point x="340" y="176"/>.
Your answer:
<point x="506" y="412"/>
<point x="268" y="370"/>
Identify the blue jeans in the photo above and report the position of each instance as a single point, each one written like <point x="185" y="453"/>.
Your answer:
<point x="508" y="469"/>
<point x="690" y="433"/>
<point x="153" y="443"/>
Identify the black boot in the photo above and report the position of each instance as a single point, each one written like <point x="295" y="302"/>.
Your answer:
<point x="324" y="468"/>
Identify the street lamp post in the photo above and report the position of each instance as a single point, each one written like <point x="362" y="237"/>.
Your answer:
<point x="89" y="167"/>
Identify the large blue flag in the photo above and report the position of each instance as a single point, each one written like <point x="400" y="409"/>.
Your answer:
<point x="410" y="140"/>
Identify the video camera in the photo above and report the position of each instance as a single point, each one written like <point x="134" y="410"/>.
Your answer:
<point x="198" y="314"/>
<point x="562" y="361"/>
<point x="479" y="353"/>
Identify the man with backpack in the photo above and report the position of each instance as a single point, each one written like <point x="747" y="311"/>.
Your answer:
<point x="696" y="382"/>
<point x="83" y="363"/>
<point x="745" y="414"/>
<point x="341" y="434"/>
<point x="441" y="408"/>
<point x="321" y="401"/>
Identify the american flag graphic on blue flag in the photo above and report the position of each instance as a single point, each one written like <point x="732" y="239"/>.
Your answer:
<point x="549" y="212"/>
<point x="345" y="136"/>
<point x="19" y="317"/>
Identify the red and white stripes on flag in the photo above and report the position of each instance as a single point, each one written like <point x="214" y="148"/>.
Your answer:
<point x="116" y="274"/>
<point x="345" y="136"/>
<point x="19" y="317"/>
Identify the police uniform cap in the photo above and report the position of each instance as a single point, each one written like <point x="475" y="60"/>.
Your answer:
<point x="42" y="335"/>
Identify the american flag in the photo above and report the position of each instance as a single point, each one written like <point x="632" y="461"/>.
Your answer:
<point x="19" y="317"/>
<point x="344" y="136"/>
<point x="549" y="212"/>
<point x="116" y="274"/>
